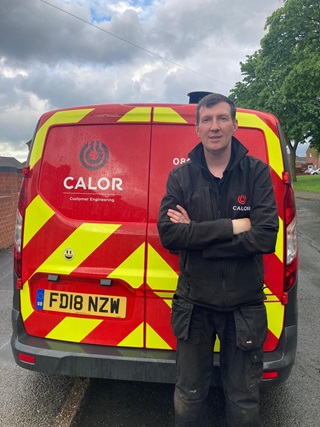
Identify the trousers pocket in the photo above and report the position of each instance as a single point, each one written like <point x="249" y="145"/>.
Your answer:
<point x="251" y="326"/>
<point x="181" y="317"/>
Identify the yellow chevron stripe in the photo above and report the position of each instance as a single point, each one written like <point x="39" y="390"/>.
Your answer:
<point x="279" y="242"/>
<point x="25" y="302"/>
<point x="132" y="269"/>
<point x="40" y="211"/>
<point x="83" y="241"/>
<point x="154" y="340"/>
<point x="134" y="339"/>
<point x="69" y="116"/>
<point x="275" y="313"/>
<point x="274" y="149"/>
<point x="160" y="276"/>
<point x="73" y="329"/>
<point x="137" y="114"/>
<point x="167" y="115"/>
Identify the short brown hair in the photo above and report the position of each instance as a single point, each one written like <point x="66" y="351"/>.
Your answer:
<point x="213" y="99"/>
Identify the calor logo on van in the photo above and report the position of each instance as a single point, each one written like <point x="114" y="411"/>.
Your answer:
<point x="94" y="155"/>
<point x="90" y="183"/>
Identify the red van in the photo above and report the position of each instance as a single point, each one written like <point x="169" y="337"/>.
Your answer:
<point x="92" y="283"/>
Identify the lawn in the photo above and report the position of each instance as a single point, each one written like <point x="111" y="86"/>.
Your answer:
<point x="309" y="183"/>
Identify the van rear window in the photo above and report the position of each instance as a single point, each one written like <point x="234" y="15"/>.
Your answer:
<point x="85" y="174"/>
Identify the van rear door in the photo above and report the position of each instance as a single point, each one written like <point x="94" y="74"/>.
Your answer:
<point x="173" y="137"/>
<point x="85" y="227"/>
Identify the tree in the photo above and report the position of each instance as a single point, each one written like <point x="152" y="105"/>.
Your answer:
<point x="283" y="76"/>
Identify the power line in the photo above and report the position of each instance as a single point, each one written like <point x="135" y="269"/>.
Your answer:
<point x="133" y="44"/>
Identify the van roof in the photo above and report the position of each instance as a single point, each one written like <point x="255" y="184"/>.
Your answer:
<point x="141" y="112"/>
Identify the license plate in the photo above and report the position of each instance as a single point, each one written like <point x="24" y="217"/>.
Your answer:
<point x="87" y="304"/>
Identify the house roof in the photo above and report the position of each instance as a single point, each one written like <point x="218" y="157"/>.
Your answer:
<point x="10" y="162"/>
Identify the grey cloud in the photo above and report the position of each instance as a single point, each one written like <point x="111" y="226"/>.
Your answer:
<point x="34" y="31"/>
<point x="184" y="30"/>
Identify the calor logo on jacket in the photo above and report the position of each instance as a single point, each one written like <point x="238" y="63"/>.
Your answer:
<point x="242" y="200"/>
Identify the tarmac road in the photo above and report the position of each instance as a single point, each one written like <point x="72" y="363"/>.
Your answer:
<point x="32" y="399"/>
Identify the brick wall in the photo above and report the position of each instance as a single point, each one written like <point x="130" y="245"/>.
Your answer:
<point x="10" y="181"/>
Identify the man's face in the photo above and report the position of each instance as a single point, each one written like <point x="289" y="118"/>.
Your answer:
<point x="216" y="127"/>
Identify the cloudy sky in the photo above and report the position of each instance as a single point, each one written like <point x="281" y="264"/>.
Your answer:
<point x="62" y="53"/>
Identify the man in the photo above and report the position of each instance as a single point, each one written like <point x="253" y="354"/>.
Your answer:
<point x="219" y="213"/>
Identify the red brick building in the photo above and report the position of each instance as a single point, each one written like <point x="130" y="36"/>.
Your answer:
<point x="313" y="157"/>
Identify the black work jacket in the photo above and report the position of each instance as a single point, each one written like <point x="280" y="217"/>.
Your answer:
<point x="218" y="269"/>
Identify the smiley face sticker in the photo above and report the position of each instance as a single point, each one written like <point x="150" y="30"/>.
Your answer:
<point x="68" y="254"/>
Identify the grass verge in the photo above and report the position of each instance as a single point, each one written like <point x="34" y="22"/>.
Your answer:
<point x="309" y="183"/>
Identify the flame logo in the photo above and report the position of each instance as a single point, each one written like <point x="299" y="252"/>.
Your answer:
<point x="242" y="199"/>
<point x="94" y="155"/>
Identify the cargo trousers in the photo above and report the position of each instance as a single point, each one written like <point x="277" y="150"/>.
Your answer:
<point x="241" y="333"/>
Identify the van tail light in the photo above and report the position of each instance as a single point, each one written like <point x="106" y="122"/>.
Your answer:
<point x="291" y="243"/>
<point x="271" y="375"/>
<point x="27" y="358"/>
<point x="18" y="244"/>
<point x="19" y="225"/>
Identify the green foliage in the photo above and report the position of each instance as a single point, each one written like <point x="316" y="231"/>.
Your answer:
<point x="283" y="76"/>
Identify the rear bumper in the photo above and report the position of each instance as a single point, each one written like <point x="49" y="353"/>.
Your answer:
<point x="94" y="361"/>
<point x="119" y="363"/>
<point x="282" y="359"/>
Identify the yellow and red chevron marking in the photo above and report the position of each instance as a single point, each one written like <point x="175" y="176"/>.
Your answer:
<point x="137" y="115"/>
<point x="37" y="247"/>
<point x="154" y="114"/>
<point x="92" y="234"/>
<point x="157" y="329"/>
<point x="162" y="282"/>
<point x="85" y="238"/>
<point x="94" y="330"/>
<point x="274" y="148"/>
<point x="36" y="209"/>
<point x="60" y="117"/>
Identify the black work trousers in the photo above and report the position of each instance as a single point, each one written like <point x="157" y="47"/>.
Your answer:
<point x="241" y="334"/>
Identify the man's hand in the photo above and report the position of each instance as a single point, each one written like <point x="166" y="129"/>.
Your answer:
<point x="241" y="225"/>
<point x="180" y="216"/>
